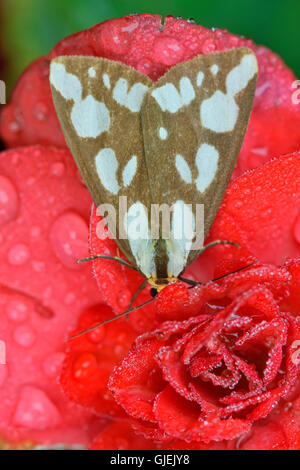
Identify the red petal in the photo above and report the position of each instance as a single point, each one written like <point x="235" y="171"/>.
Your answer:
<point x="120" y="436"/>
<point x="181" y="419"/>
<point x="42" y="290"/>
<point x="90" y="359"/>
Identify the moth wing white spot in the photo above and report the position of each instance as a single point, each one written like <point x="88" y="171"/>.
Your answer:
<point x="183" y="169"/>
<point x="200" y="78"/>
<point x="163" y="133"/>
<point x="139" y="238"/>
<point x="167" y="97"/>
<point x="181" y="237"/>
<point x="129" y="171"/>
<point x="92" y="72"/>
<point x="132" y="99"/>
<point x="240" y="75"/>
<point x="186" y="90"/>
<point x="90" y="117"/>
<point x="219" y="113"/>
<point x="106" y="166"/>
<point x="106" y="80"/>
<point x="67" y="84"/>
<point x="214" y="69"/>
<point x="136" y="96"/>
<point x="207" y="163"/>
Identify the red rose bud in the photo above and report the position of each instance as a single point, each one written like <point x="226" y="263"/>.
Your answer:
<point x="211" y="376"/>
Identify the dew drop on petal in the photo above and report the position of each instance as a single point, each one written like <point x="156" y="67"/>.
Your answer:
<point x="52" y="364"/>
<point x="16" y="311"/>
<point x="69" y="239"/>
<point x="84" y="366"/>
<point x="57" y="169"/>
<point x="40" y="111"/>
<point x="35" y="231"/>
<point x="24" y="336"/>
<point x="96" y="335"/>
<point x="124" y="298"/>
<point x="18" y="255"/>
<point x="35" y="410"/>
<point x="167" y="50"/>
<point x="9" y="202"/>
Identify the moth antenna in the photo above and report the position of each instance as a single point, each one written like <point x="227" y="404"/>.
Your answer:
<point x="114" y="258"/>
<point x="110" y="319"/>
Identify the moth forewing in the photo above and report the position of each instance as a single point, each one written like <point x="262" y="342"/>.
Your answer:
<point x="194" y="119"/>
<point x="98" y="104"/>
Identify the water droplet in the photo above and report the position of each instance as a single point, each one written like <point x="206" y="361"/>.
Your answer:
<point x="35" y="231"/>
<point x="24" y="336"/>
<point x="18" y="255"/>
<point x="70" y="298"/>
<point x="144" y="66"/>
<point x="35" y="410"/>
<point x="40" y="111"/>
<point x="85" y="366"/>
<point x="53" y="364"/>
<point x="69" y="239"/>
<point x="9" y="202"/>
<point x="191" y="20"/>
<point x="97" y="335"/>
<point x="57" y="169"/>
<point x="208" y="47"/>
<point x="16" y="311"/>
<point x="167" y="50"/>
<point x="124" y="298"/>
<point x="38" y="266"/>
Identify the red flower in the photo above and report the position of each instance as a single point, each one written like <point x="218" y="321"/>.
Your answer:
<point x="260" y="212"/>
<point x="209" y="377"/>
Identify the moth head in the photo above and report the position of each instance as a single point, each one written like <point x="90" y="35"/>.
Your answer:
<point x="158" y="284"/>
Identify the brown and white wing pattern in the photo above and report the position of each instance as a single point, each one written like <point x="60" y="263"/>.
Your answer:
<point x="194" y="119"/>
<point x="98" y="104"/>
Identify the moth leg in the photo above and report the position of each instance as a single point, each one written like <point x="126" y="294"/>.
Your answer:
<point x="196" y="283"/>
<point x="219" y="242"/>
<point x="111" y="319"/>
<point x="114" y="258"/>
<point x="233" y="272"/>
<point x="135" y="295"/>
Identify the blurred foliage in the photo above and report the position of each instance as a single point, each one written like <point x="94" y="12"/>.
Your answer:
<point x="32" y="27"/>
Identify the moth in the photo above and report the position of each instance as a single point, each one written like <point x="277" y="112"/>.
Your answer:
<point x="174" y="141"/>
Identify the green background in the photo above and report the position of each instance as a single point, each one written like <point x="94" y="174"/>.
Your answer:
<point x="30" y="28"/>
